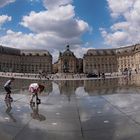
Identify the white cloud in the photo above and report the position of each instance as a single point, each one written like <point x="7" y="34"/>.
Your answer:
<point x="80" y="51"/>
<point x="53" y="44"/>
<point x="31" y="41"/>
<point x="5" y="2"/>
<point x="116" y="39"/>
<point x="4" y="18"/>
<point x="126" y="30"/>
<point x="52" y="4"/>
<point x="51" y="30"/>
<point x="120" y="26"/>
<point x="120" y="7"/>
<point x="33" y="0"/>
<point x="60" y="22"/>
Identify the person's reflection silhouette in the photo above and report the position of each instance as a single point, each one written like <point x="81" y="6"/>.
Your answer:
<point x="35" y="114"/>
<point x="8" y="110"/>
<point x="127" y="80"/>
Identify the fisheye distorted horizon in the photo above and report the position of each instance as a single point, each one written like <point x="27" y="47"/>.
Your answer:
<point x="52" y="24"/>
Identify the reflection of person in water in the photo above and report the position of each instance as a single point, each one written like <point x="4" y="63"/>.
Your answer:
<point x="35" y="114"/>
<point x="8" y="110"/>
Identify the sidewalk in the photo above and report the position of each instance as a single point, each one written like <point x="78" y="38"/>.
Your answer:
<point x="36" y="77"/>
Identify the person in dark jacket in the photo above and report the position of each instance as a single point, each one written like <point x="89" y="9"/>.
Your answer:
<point x="7" y="87"/>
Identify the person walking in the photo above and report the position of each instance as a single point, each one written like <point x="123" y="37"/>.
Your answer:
<point x="7" y="87"/>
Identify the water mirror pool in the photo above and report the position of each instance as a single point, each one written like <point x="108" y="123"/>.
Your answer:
<point x="79" y="110"/>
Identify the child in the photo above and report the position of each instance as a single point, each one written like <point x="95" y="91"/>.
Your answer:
<point x="35" y="88"/>
<point x="7" y="87"/>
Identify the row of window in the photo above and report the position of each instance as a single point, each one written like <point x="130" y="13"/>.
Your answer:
<point x="90" y="65"/>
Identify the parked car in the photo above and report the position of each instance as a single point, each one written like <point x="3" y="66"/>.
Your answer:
<point x="92" y="75"/>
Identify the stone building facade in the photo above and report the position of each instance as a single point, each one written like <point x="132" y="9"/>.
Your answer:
<point x="35" y="61"/>
<point x="112" y="60"/>
<point x="100" y="61"/>
<point x="67" y="62"/>
<point x="55" y="67"/>
<point x="25" y="61"/>
<point x="9" y="59"/>
<point x="94" y="61"/>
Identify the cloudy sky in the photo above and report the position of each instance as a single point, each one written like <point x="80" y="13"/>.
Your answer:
<point x="83" y="24"/>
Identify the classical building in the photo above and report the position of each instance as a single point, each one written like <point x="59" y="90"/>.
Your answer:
<point x="67" y="62"/>
<point x="9" y="59"/>
<point x="112" y="60"/>
<point x="94" y="61"/>
<point x="55" y="67"/>
<point x="100" y="61"/>
<point x="79" y="65"/>
<point x="25" y="61"/>
<point x="35" y="61"/>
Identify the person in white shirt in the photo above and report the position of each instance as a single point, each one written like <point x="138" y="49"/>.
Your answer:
<point x="35" y="88"/>
<point x="7" y="87"/>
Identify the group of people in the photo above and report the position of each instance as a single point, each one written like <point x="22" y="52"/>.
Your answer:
<point x="34" y="89"/>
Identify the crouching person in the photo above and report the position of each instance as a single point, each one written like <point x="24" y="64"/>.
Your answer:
<point x="35" y="88"/>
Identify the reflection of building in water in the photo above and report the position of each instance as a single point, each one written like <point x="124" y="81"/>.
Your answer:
<point x="48" y="87"/>
<point x="24" y="84"/>
<point x="96" y="85"/>
<point x="107" y="86"/>
<point x="130" y="81"/>
<point x="69" y="87"/>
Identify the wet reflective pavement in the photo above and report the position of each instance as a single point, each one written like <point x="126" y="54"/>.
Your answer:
<point x="74" y="110"/>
